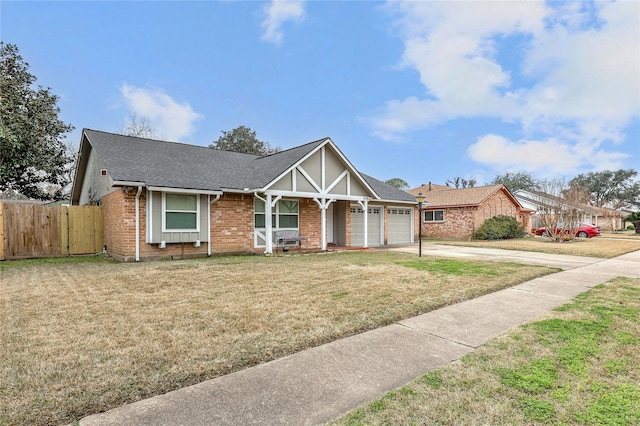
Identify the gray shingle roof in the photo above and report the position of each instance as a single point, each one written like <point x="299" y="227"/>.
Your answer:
<point x="178" y="165"/>
<point x="388" y="192"/>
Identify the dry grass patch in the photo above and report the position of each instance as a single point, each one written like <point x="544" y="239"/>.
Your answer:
<point x="577" y="365"/>
<point x="80" y="338"/>
<point x="627" y="235"/>
<point x="593" y="247"/>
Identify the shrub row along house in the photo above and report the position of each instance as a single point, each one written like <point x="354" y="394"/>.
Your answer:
<point x="163" y="199"/>
<point x="451" y="213"/>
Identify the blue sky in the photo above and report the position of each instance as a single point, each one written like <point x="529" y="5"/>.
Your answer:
<point x="423" y="91"/>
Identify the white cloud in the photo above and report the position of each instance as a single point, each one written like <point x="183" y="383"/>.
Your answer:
<point x="276" y="14"/>
<point x="550" y="156"/>
<point x="170" y="119"/>
<point x="578" y="84"/>
<point x="450" y="45"/>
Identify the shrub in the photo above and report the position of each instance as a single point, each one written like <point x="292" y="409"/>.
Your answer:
<point x="631" y="227"/>
<point x="500" y="228"/>
<point x="634" y="218"/>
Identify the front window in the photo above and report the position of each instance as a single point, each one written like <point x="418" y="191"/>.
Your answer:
<point x="434" y="216"/>
<point x="285" y="215"/>
<point x="287" y="211"/>
<point x="181" y="212"/>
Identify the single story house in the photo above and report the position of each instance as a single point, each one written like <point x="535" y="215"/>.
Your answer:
<point x="451" y="213"/>
<point x="162" y="199"/>
<point x="539" y="202"/>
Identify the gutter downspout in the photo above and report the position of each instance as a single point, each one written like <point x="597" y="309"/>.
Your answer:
<point x="138" y="223"/>
<point x="211" y="202"/>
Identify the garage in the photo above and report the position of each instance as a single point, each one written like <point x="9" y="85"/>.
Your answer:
<point x="374" y="233"/>
<point x="399" y="225"/>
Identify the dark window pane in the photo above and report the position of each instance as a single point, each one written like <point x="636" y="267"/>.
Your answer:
<point x="181" y="220"/>
<point x="288" y="221"/>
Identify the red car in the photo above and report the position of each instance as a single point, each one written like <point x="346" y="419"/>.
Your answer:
<point x="583" y="230"/>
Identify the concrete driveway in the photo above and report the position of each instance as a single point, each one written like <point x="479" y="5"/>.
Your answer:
<point x="483" y="253"/>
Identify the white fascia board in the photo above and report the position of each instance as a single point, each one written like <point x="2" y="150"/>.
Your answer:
<point x="326" y="142"/>
<point x="350" y="166"/>
<point x="184" y="190"/>
<point x="84" y="151"/>
<point x="241" y="191"/>
<point x="394" y="202"/>
<point x="128" y="183"/>
<point x="312" y="195"/>
<point x="296" y="164"/>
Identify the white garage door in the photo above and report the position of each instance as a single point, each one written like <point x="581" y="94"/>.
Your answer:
<point x="374" y="222"/>
<point x="399" y="226"/>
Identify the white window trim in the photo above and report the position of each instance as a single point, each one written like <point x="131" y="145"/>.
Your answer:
<point x="434" y="214"/>
<point x="276" y="212"/>
<point x="164" y="213"/>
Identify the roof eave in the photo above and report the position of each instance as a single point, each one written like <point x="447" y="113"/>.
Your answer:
<point x="81" y="166"/>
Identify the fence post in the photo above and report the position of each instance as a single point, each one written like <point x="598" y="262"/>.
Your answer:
<point x="2" y="240"/>
<point x="64" y="230"/>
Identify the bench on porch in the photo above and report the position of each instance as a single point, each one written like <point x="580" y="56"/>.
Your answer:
<point x="288" y="238"/>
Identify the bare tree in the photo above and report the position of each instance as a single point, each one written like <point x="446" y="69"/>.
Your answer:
<point x="460" y="182"/>
<point x="575" y="199"/>
<point x="62" y="189"/>
<point x="139" y="127"/>
<point x="611" y="191"/>
<point x="553" y="209"/>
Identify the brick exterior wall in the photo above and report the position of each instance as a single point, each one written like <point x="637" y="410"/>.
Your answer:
<point x="461" y="222"/>
<point x="231" y="227"/>
<point x="458" y="224"/>
<point x="496" y="205"/>
<point x="232" y="224"/>
<point x="120" y="230"/>
<point x="311" y="223"/>
<point x="232" y="230"/>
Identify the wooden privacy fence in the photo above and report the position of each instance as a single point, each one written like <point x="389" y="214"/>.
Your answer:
<point x="35" y="230"/>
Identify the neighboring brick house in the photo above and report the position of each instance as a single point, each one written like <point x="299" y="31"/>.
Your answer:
<point x="163" y="199"/>
<point x="451" y="213"/>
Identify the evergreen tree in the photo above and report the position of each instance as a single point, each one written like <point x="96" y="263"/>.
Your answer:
<point x="33" y="155"/>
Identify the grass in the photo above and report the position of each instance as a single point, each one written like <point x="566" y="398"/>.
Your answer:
<point x="577" y="365"/>
<point x="605" y="247"/>
<point x="626" y="234"/>
<point x="83" y="335"/>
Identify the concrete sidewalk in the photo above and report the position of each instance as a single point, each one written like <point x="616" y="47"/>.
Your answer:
<point x="320" y="384"/>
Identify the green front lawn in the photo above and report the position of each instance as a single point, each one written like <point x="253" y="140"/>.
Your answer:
<point x="578" y="365"/>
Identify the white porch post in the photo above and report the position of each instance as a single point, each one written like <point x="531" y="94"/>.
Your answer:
<point x="268" y="237"/>
<point x="323" y="221"/>
<point x="324" y="205"/>
<point x="366" y="223"/>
